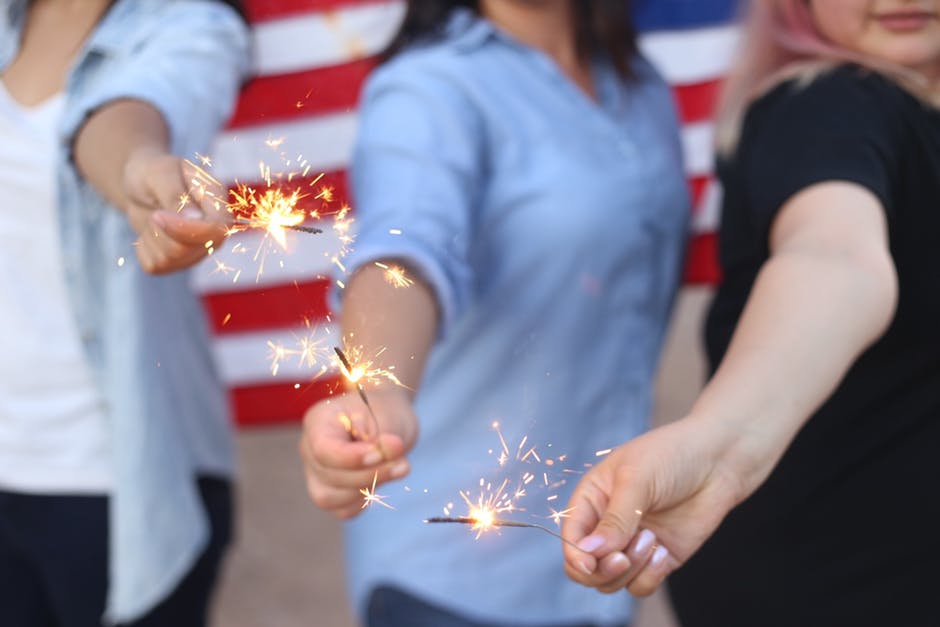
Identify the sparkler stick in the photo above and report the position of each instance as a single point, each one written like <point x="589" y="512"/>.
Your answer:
<point x="365" y="399"/>
<point x="294" y="227"/>
<point x="499" y="522"/>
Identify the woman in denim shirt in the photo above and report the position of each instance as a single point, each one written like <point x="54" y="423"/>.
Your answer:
<point x="115" y="451"/>
<point x="522" y="162"/>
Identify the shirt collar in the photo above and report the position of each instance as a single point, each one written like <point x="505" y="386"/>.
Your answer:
<point x="11" y="23"/>
<point x="467" y="30"/>
<point x="108" y="37"/>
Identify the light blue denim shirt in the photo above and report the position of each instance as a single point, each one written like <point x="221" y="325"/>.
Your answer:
<point x="551" y="228"/>
<point x="146" y="336"/>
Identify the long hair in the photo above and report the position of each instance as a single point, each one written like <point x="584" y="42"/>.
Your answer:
<point x="780" y="42"/>
<point x="603" y="27"/>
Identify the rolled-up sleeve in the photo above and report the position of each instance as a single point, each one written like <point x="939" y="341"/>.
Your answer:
<point x="188" y="63"/>
<point x="417" y="176"/>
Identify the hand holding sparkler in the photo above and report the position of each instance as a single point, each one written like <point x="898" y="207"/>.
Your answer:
<point x="178" y="211"/>
<point x="340" y="448"/>
<point x="663" y="489"/>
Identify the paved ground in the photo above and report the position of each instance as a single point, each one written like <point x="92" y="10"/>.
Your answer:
<point x="287" y="569"/>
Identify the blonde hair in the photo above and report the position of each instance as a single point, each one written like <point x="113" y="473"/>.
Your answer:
<point x="781" y="42"/>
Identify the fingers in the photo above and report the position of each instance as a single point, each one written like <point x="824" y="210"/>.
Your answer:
<point x="587" y="503"/>
<point x="660" y="564"/>
<point x="620" y="569"/>
<point x="620" y="520"/>
<point x="189" y="228"/>
<point x="177" y="212"/>
<point x="208" y="193"/>
<point x="613" y="552"/>
<point x="338" y="468"/>
<point x="341" y="492"/>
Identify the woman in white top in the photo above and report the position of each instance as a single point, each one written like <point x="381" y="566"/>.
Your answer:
<point x="113" y="474"/>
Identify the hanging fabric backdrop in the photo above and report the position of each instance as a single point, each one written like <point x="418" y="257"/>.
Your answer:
<point x="297" y="116"/>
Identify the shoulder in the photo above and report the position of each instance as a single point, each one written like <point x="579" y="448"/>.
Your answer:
<point x="134" y="24"/>
<point x="433" y="66"/>
<point x="436" y="80"/>
<point x="840" y="99"/>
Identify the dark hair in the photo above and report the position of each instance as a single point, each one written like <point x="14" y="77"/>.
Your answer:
<point x="603" y="27"/>
<point x="239" y="7"/>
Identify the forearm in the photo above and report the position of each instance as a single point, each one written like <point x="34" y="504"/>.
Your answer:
<point x="394" y="326"/>
<point x="111" y="138"/>
<point x="808" y="318"/>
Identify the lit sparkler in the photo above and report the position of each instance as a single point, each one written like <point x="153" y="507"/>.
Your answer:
<point x="354" y="376"/>
<point x="270" y="209"/>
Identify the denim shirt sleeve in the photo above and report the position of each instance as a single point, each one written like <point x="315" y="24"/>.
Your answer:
<point x="188" y="63"/>
<point x="417" y="172"/>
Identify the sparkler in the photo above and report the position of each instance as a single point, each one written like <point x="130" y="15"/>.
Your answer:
<point x="485" y="520"/>
<point x="354" y="376"/>
<point x="293" y="227"/>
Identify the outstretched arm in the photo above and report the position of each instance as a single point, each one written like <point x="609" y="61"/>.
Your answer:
<point x="827" y="292"/>
<point x="123" y="151"/>
<point x="397" y="326"/>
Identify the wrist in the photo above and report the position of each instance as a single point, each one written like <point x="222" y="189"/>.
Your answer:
<point x="742" y="452"/>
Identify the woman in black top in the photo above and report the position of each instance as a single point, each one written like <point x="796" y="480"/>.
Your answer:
<point x="821" y="424"/>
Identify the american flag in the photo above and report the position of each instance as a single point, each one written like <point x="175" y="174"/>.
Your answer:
<point x="311" y="57"/>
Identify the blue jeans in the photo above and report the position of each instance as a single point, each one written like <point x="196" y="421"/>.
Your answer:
<point x="392" y="607"/>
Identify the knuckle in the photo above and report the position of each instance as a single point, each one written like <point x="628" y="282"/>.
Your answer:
<point x="615" y="521"/>
<point x="320" y="497"/>
<point x="624" y="475"/>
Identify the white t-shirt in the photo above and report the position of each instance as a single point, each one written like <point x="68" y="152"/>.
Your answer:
<point x="53" y="434"/>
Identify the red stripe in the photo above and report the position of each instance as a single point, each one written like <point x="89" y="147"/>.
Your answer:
<point x="279" y="403"/>
<point x="264" y="10"/>
<point x="697" y="185"/>
<point x="701" y="266"/>
<point x="330" y="89"/>
<point x="279" y="306"/>
<point x="697" y="102"/>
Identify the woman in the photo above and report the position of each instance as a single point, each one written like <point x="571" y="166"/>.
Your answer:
<point x="522" y="163"/>
<point x="824" y="410"/>
<point x="114" y="445"/>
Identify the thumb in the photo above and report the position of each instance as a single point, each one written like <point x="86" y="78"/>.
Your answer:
<point x="388" y="447"/>
<point x="621" y="519"/>
<point x="190" y="228"/>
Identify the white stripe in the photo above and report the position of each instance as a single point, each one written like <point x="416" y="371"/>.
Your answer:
<point x="708" y="212"/>
<point x="310" y="41"/>
<point x="325" y="142"/>
<point x="245" y="358"/>
<point x="698" y="148"/>
<point x="250" y="259"/>
<point x="686" y="57"/>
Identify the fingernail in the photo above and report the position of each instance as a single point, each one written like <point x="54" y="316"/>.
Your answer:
<point x="158" y="219"/>
<point x="644" y="541"/>
<point x="191" y="213"/>
<point x="372" y="458"/>
<point x="399" y="470"/>
<point x="659" y="555"/>
<point x="590" y="543"/>
<point x="585" y="569"/>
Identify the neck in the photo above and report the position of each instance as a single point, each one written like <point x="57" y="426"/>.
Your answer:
<point x="548" y="25"/>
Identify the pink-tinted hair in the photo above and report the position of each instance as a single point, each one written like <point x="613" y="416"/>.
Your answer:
<point x="780" y="40"/>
